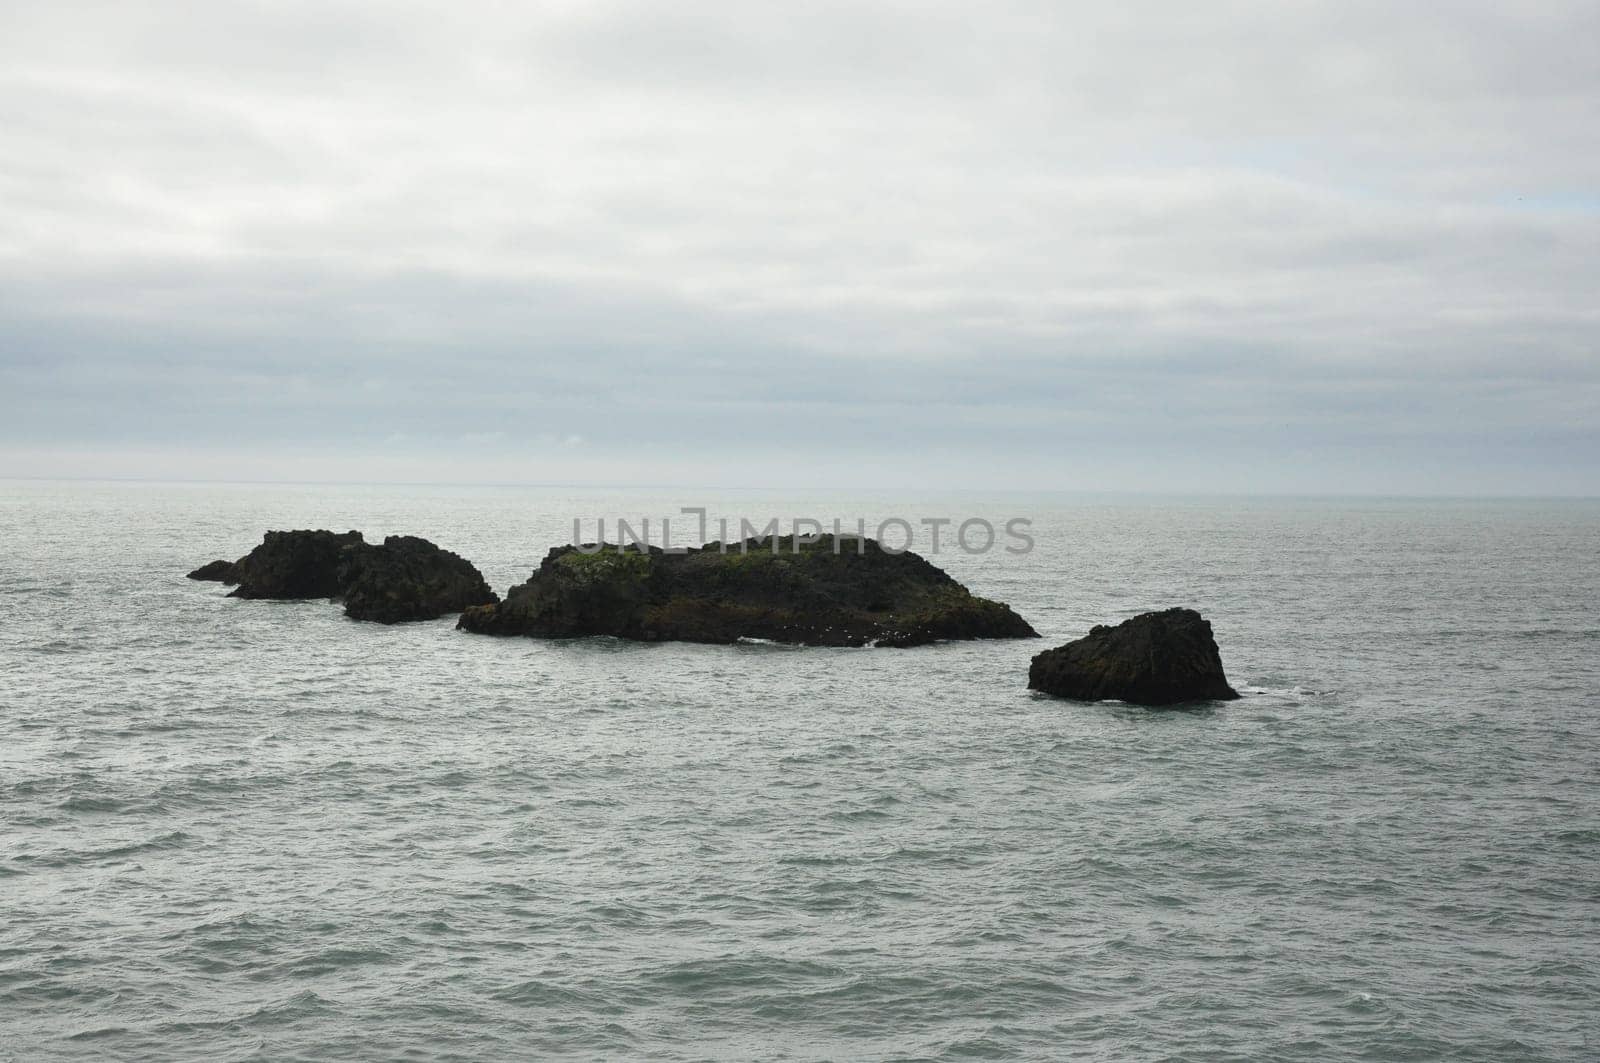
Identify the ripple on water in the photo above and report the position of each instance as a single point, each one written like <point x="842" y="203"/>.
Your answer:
<point x="245" y="832"/>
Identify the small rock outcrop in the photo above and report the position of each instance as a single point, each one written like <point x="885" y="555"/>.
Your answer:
<point x="216" y="571"/>
<point x="404" y="578"/>
<point x="1153" y="659"/>
<point x="408" y="578"/>
<point x="848" y="592"/>
<point x="293" y="564"/>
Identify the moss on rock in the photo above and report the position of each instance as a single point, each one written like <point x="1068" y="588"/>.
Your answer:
<point x="829" y="592"/>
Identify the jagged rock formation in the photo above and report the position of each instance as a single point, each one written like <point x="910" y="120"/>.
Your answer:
<point x="1153" y="659"/>
<point x="818" y="596"/>
<point x="404" y="578"/>
<point x="293" y="564"/>
<point x="408" y="578"/>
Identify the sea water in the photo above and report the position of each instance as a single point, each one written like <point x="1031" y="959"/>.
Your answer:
<point x="257" y="830"/>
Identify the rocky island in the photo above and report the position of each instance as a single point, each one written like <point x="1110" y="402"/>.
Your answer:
<point x="403" y="578"/>
<point x="1153" y="659"/>
<point x="823" y="592"/>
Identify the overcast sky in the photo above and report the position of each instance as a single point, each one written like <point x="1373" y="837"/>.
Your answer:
<point x="1287" y="246"/>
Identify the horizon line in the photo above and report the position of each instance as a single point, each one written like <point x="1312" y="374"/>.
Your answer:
<point x="619" y="486"/>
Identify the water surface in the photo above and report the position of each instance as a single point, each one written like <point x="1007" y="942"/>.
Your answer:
<point x="256" y="830"/>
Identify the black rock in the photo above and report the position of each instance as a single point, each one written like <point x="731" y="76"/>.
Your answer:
<point x="217" y="571"/>
<point x="818" y="596"/>
<point x="1153" y="659"/>
<point x="293" y="564"/>
<point x="404" y="578"/>
<point x="408" y="578"/>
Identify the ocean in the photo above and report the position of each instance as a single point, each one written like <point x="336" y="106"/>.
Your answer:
<point x="244" y="830"/>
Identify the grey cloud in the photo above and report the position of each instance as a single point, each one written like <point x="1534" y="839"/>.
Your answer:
<point x="1343" y="234"/>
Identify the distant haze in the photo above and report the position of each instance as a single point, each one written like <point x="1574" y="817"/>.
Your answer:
<point x="1310" y="247"/>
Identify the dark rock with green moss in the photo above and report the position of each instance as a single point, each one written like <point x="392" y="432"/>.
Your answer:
<point x="845" y="592"/>
<point x="404" y="578"/>
<point x="1163" y="658"/>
